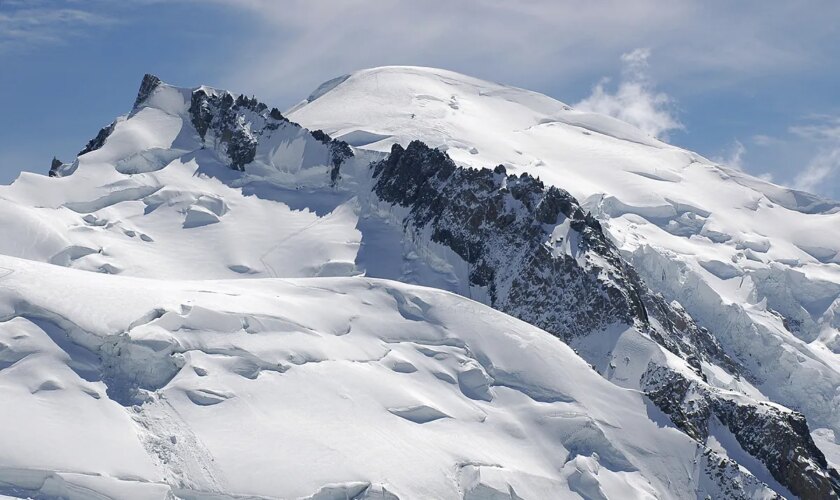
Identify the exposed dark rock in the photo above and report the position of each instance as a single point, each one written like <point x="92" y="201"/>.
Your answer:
<point x="242" y="147"/>
<point x="54" y="166"/>
<point x="321" y="136"/>
<point x="98" y="141"/>
<point x="225" y="116"/>
<point x="200" y="113"/>
<point x="340" y="151"/>
<point x="734" y="485"/>
<point x="781" y="440"/>
<point x="778" y="437"/>
<point x="501" y="225"/>
<point x="147" y="86"/>
<point x="239" y="123"/>
<point x="275" y="114"/>
<point x="574" y="282"/>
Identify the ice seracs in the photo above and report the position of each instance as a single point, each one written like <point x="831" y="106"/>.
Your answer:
<point x="222" y="381"/>
<point x="284" y="388"/>
<point x="755" y="263"/>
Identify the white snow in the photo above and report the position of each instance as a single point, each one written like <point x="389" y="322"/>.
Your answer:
<point x="740" y="254"/>
<point x="326" y="384"/>
<point x="282" y="387"/>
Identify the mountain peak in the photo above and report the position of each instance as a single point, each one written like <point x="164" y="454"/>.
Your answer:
<point x="694" y="298"/>
<point x="148" y="85"/>
<point x="374" y="108"/>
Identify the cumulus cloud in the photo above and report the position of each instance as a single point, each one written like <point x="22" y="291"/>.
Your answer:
<point x="635" y="99"/>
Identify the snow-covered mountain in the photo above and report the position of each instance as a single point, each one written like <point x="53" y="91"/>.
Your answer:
<point x="244" y="331"/>
<point x="755" y="263"/>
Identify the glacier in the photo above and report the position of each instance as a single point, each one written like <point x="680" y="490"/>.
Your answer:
<point x="212" y="300"/>
<point x="755" y="263"/>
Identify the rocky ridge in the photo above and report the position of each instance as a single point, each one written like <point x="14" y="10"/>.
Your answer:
<point x="547" y="262"/>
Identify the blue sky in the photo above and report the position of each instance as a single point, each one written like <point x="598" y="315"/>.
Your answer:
<point x="751" y="83"/>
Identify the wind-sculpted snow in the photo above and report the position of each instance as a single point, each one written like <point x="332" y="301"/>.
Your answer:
<point x="157" y="198"/>
<point x="754" y="263"/>
<point x="288" y="388"/>
<point x="544" y="261"/>
<point x="394" y="391"/>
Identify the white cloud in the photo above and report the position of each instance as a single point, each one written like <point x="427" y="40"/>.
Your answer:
<point x="303" y="43"/>
<point x="735" y="157"/>
<point x="24" y="24"/>
<point x="635" y="99"/>
<point x="764" y="140"/>
<point x="820" y="175"/>
<point x="819" y="128"/>
<point x="538" y="44"/>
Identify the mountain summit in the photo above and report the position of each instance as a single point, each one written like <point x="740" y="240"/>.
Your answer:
<point x="413" y="283"/>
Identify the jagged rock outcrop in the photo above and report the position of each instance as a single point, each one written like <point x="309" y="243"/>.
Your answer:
<point x="777" y="436"/>
<point x="542" y="259"/>
<point x="505" y="228"/>
<point x="98" y="141"/>
<point x="221" y="113"/>
<point x="238" y="124"/>
<point x="55" y="165"/>
<point x="339" y="152"/>
<point x="233" y="126"/>
<point x="524" y="242"/>
<point x="147" y="86"/>
<point x="731" y="482"/>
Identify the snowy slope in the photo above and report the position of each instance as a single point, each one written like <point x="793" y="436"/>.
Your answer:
<point x="349" y="387"/>
<point x="153" y="202"/>
<point x="197" y="184"/>
<point x="755" y="263"/>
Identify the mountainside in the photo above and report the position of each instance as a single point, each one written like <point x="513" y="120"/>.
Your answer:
<point x="317" y="388"/>
<point x="755" y="263"/>
<point x="703" y="303"/>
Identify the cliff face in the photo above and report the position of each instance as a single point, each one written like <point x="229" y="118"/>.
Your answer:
<point x="523" y="242"/>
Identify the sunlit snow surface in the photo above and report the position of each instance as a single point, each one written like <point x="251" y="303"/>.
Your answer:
<point x="284" y="387"/>
<point x="757" y="264"/>
<point x="327" y="383"/>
